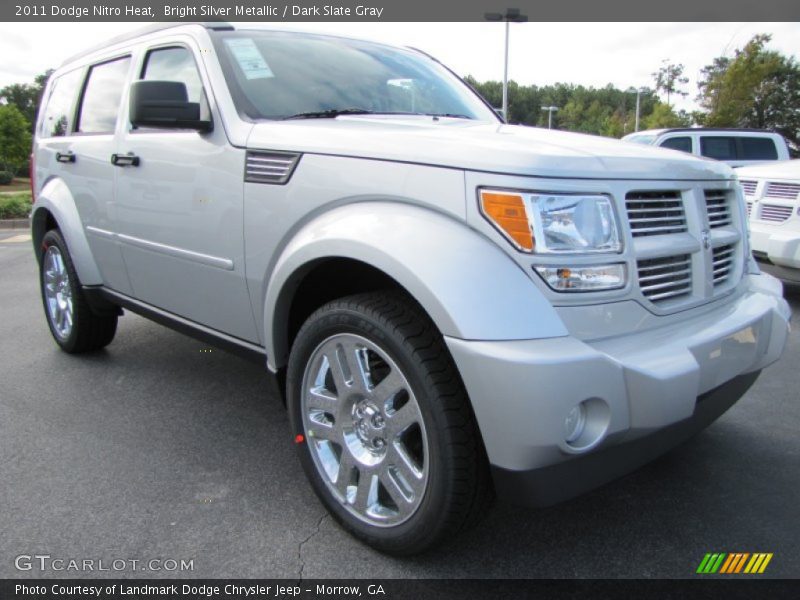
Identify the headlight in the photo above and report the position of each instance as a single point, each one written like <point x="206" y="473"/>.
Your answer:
<point x="584" y="279"/>
<point x="554" y="223"/>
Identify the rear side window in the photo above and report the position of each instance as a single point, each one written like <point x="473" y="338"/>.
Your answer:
<point x="102" y="95"/>
<point x="758" y="148"/>
<point x="718" y="147"/>
<point x="177" y="64"/>
<point x="684" y="144"/>
<point x="59" y="110"/>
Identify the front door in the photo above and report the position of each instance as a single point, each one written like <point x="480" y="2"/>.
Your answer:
<point x="179" y="209"/>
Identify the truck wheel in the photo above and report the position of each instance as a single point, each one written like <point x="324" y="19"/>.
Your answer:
<point x="384" y="428"/>
<point x="73" y="324"/>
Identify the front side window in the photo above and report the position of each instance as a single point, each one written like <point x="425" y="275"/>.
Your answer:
<point x="102" y="95"/>
<point x="758" y="148"/>
<point x="275" y="75"/>
<point x="177" y="64"/>
<point x="58" y="112"/>
<point x="683" y="143"/>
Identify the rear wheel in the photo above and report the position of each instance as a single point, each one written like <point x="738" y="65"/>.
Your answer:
<point x="73" y="324"/>
<point x="389" y="441"/>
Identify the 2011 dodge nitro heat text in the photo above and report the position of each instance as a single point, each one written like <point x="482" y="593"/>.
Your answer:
<point x="454" y="307"/>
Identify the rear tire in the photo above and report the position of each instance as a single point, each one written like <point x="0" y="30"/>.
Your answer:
<point x="389" y="441"/>
<point x="74" y="326"/>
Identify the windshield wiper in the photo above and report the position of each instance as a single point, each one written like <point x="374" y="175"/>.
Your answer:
<point x="449" y="115"/>
<point x="330" y="114"/>
<point x="335" y="112"/>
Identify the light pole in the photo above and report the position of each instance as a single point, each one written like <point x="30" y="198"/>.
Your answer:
<point x="512" y="15"/>
<point x="638" y="105"/>
<point x="550" y="110"/>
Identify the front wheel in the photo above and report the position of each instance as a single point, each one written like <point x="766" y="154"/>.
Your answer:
<point x="74" y="326"/>
<point x="389" y="441"/>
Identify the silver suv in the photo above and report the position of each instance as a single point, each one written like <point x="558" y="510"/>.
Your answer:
<point x="454" y="307"/>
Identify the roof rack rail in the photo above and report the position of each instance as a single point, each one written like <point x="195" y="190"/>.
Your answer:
<point x="211" y="25"/>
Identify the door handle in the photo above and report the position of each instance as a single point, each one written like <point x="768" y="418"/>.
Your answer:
<point x="125" y="160"/>
<point x="67" y="157"/>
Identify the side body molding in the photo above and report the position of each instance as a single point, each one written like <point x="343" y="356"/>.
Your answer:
<point x="57" y="199"/>
<point x="471" y="289"/>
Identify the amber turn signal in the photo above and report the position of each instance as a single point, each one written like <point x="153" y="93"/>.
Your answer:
<point x="507" y="212"/>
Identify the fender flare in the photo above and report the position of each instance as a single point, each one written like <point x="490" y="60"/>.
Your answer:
<point x="56" y="199"/>
<point x="469" y="287"/>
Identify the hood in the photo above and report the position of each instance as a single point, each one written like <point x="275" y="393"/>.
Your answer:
<point x="482" y="146"/>
<point x="784" y="169"/>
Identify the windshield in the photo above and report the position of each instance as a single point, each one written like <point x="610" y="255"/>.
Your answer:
<point x="640" y="139"/>
<point x="276" y="75"/>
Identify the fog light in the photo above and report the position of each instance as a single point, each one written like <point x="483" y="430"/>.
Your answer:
<point x="575" y="423"/>
<point x="585" y="425"/>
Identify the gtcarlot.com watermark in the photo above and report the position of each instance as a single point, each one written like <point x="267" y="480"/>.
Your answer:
<point x="46" y="562"/>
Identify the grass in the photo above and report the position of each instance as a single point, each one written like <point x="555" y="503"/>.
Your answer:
<point x="15" y="206"/>
<point x="20" y="184"/>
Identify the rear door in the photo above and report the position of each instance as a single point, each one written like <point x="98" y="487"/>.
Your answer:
<point x="77" y="135"/>
<point x="180" y="219"/>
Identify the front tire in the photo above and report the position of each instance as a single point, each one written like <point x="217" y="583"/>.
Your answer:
<point x="389" y="441"/>
<point x="74" y="326"/>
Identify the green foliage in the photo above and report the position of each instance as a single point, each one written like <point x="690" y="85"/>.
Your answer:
<point x="6" y="178"/>
<point x="15" y="206"/>
<point x="606" y="111"/>
<point x="664" y="117"/>
<point x="15" y="138"/>
<point x="668" y="79"/>
<point x="26" y="96"/>
<point x="757" y="88"/>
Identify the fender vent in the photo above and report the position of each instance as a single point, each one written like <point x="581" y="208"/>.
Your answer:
<point x="270" y="167"/>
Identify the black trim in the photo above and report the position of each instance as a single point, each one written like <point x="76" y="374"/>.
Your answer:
<point x="221" y="340"/>
<point x="556" y="483"/>
<point x="785" y="274"/>
<point x="99" y="303"/>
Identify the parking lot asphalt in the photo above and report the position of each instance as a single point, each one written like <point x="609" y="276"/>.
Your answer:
<point x="158" y="448"/>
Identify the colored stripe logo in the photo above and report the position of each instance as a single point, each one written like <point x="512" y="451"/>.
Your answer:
<point x="734" y="562"/>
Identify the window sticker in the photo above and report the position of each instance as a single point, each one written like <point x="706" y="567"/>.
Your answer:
<point x="247" y="54"/>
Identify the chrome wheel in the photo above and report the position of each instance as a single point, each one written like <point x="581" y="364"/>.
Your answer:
<point x="365" y="430"/>
<point x="58" y="293"/>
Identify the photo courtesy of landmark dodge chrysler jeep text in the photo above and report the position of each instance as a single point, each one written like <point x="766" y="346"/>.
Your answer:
<point x="454" y="307"/>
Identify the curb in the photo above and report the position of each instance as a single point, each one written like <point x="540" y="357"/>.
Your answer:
<point x="14" y="224"/>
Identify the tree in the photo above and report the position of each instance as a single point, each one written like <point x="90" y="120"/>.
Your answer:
<point x="15" y="138"/>
<point x="757" y="88"/>
<point x="26" y="96"/>
<point x="664" y="117"/>
<point x="668" y="79"/>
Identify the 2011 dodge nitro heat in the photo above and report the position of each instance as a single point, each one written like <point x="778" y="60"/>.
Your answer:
<point x="453" y="306"/>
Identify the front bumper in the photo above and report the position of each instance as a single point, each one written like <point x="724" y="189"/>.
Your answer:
<point x="637" y="387"/>
<point x="779" y="243"/>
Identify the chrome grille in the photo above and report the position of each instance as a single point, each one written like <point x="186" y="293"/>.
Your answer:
<point x="749" y="208"/>
<point x="749" y="187"/>
<point x="787" y="191"/>
<point x="270" y="167"/>
<point x="775" y="212"/>
<point x="655" y="213"/>
<point x="717" y="208"/>
<point x="663" y="278"/>
<point x="723" y="263"/>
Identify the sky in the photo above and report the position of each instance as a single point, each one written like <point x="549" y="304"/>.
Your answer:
<point x="592" y="54"/>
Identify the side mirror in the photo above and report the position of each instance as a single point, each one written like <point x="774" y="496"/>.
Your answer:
<point x="164" y="104"/>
